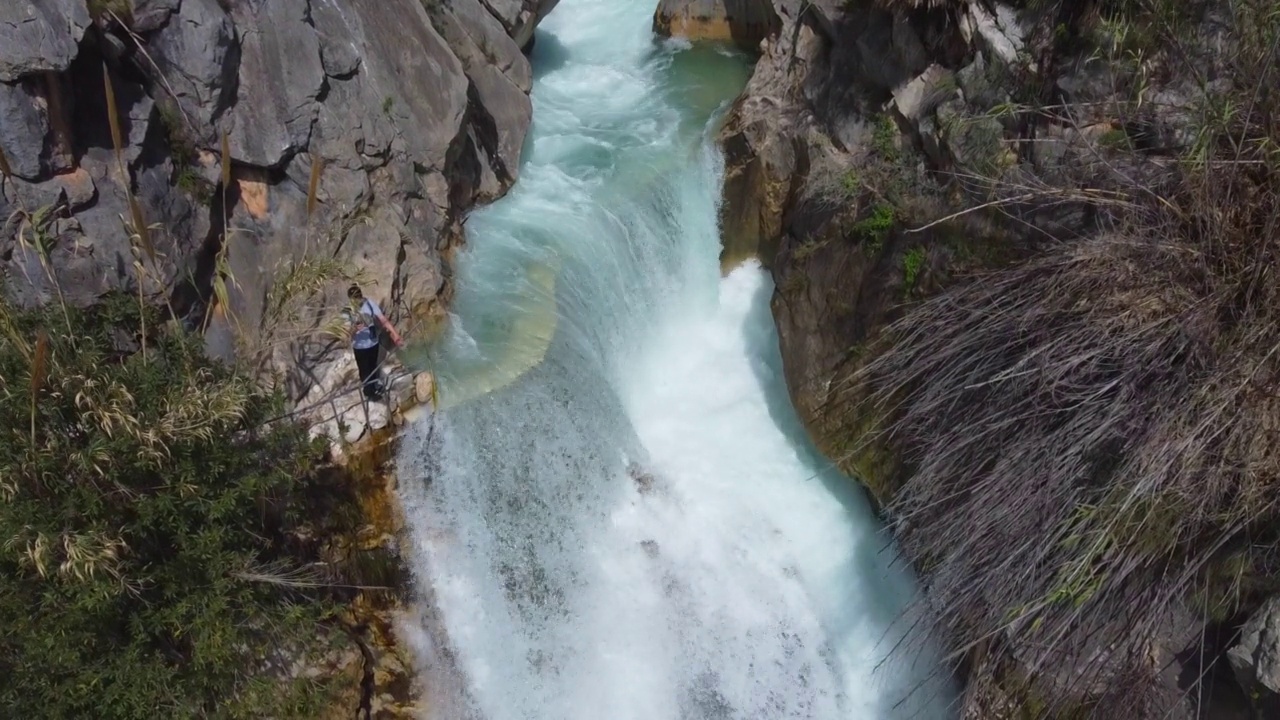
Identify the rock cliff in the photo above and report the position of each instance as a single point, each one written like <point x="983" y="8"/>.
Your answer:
<point x="267" y="151"/>
<point x="970" y="209"/>
<point x="241" y="162"/>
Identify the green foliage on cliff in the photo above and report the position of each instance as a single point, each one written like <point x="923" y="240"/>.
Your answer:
<point x="874" y="228"/>
<point x="912" y="264"/>
<point x="146" y="519"/>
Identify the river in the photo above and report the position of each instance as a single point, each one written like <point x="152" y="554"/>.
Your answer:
<point x="615" y="512"/>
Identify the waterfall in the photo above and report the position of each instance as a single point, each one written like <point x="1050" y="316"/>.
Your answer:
<point x="615" y="512"/>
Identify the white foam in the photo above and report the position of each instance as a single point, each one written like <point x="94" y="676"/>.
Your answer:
<point x="743" y="580"/>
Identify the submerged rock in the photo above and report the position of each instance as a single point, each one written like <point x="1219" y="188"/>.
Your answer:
<point x="650" y="547"/>
<point x="643" y="480"/>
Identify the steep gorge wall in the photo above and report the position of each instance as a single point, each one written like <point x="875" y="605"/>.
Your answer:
<point x="409" y="113"/>
<point x="887" y="152"/>
<point x="395" y="117"/>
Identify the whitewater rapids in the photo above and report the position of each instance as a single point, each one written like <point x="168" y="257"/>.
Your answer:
<point x="615" y="512"/>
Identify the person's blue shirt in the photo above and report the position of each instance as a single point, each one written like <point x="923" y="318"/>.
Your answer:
<point x="366" y="321"/>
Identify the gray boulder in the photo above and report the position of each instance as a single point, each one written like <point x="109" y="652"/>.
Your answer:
<point x="151" y="15"/>
<point x="423" y="92"/>
<point x="744" y="22"/>
<point x="198" y="55"/>
<point x="24" y="129"/>
<point x="532" y="14"/>
<point x="39" y="36"/>
<point x="338" y="50"/>
<point x="505" y="11"/>
<point x="280" y="77"/>
<point x="411" y="104"/>
<point x="1255" y="658"/>
<point x="501" y="77"/>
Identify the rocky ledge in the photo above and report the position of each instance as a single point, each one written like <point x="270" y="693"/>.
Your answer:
<point x="264" y="154"/>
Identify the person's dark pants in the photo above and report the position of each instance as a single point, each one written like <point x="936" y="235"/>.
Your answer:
<point x="367" y="362"/>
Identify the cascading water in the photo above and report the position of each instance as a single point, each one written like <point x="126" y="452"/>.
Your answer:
<point x="615" y="512"/>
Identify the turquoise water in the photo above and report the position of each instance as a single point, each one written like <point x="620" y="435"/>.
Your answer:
<point x="615" y="512"/>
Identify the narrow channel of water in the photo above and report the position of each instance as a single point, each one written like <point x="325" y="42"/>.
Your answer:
<point x="615" y="512"/>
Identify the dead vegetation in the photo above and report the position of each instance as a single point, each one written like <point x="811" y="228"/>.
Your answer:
<point x="1091" y="439"/>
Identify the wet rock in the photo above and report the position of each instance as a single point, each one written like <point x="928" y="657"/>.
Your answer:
<point x="39" y="36"/>
<point x="643" y="480"/>
<point x="763" y="144"/>
<point x="743" y="22"/>
<point x="424" y="388"/>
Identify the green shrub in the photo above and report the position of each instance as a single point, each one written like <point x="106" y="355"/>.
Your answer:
<point x="147" y="521"/>
<point x="912" y="263"/>
<point x="884" y="139"/>
<point x="874" y="228"/>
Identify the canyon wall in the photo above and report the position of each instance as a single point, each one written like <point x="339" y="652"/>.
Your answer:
<point x="268" y="153"/>
<point x="970" y="209"/>
<point x="240" y="163"/>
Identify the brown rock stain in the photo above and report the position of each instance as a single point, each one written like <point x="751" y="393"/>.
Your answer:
<point x="254" y="192"/>
<point x="709" y="29"/>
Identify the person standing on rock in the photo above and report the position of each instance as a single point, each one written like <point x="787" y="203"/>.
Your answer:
<point x="365" y="318"/>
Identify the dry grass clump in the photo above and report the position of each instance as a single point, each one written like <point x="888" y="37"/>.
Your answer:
<point x="918" y="4"/>
<point x="1092" y="438"/>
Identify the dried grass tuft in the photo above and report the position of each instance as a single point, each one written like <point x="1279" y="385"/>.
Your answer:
<point x="313" y="185"/>
<point x="1091" y="439"/>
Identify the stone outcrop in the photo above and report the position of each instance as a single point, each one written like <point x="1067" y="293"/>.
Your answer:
<point x="38" y="36"/>
<point x="356" y="137"/>
<point x="1255" y="658"/>
<point x="742" y="22"/>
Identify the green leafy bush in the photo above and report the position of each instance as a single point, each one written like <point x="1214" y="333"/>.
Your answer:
<point x="875" y="227"/>
<point x="147" y="520"/>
